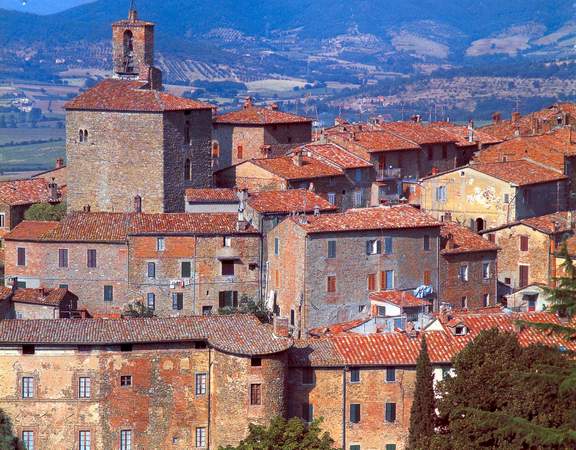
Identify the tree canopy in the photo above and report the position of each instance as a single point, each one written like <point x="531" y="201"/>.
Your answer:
<point x="46" y="212"/>
<point x="7" y="439"/>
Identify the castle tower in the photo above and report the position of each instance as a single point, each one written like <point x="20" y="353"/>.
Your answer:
<point x="133" y="50"/>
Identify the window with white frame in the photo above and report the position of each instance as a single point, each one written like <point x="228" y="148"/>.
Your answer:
<point x="28" y="439"/>
<point x="27" y="387"/>
<point x="2" y="220"/>
<point x="200" y="437"/>
<point x="200" y="384"/>
<point x="358" y="198"/>
<point x="463" y="273"/>
<point x="332" y="197"/>
<point x="441" y="194"/>
<point x="373" y="247"/>
<point x="126" y="440"/>
<point x="84" y="440"/>
<point x="485" y="270"/>
<point x="160" y="244"/>
<point x="84" y="387"/>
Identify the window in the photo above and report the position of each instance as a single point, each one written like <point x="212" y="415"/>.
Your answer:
<point x="200" y="384"/>
<point x="426" y="242"/>
<point x="358" y="200"/>
<point x="486" y="300"/>
<point x="126" y="380"/>
<point x="390" y="447"/>
<point x="373" y="247"/>
<point x="227" y="268"/>
<point x="200" y="437"/>
<point x="307" y="376"/>
<point x="81" y="135"/>
<point x="28" y="440"/>
<point x="84" y="440"/>
<point x="523" y="243"/>
<point x="255" y="362"/>
<point x="358" y="175"/>
<point x="21" y="252"/>
<point x="387" y="280"/>
<point x="91" y="258"/>
<point x="151" y="300"/>
<point x="463" y="273"/>
<point x="430" y="153"/>
<point x="227" y="241"/>
<point x="28" y="349"/>
<point x="63" y="257"/>
<point x="390" y="374"/>
<point x="228" y="299"/>
<point x="207" y="310"/>
<point x="464" y="302"/>
<point x="185" y="269"/>
<point x="331" y="249"/>
<point x="151" y="270"/>
<point x="388" y="246"/>
<point x="84" y="386"/>
<point x="187" y="170"/>
<point x="444" y="151"/>
<point x="390" y="412"/>
<point x="355" y="413"/>
<point x="240" y="152"/>
<point x="160" y="244"/>
<point x="441" y="194"/>
<point x="27" y="387"/>
<point x="355" y="447"/>
<point x="307" y="412"/>
<point x="523" y="275"/>
<point x="276" y="246"/>
<point x="355" y="375"/>
<point x="331" y="284"/>
<point x="380" y="311"/>
<point x="255" y="394"/>
<point x="492" y="238"/>
<point x="126" y="440"/>
<point x="506" y="198"/>
<point x="108" y="293"/>
<point x="2" y="220"/>
<point x="332" y="197"/>
<point x="292" y="317"/>
<point x="485" y="270"/>
<point x="177" y="301"/>
<point x="427" y="278"/>
<point x="371" y="282"/>
<point x="126" y="347"/>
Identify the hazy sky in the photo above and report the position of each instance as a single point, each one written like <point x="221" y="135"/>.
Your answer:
<point x="41" y="6"/>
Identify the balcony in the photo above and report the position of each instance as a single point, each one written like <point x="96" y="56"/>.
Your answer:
<point x="388" y="174"/>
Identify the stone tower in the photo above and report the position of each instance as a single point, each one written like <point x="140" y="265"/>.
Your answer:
<point x="126" y="139"/>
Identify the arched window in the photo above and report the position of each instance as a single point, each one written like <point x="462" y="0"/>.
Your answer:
<point x="480" y="224"/>
<point x="85" y="135"/>
<point x="128" y="42"/>
<point x="81" y="135"/>
<point x="188" y="170"/>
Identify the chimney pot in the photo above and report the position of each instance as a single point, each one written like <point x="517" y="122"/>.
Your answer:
<point x="86" y="208"/>
<point x="59" y="163"/>
<point x="274" y="107"/>
<point x="248" y="103"/>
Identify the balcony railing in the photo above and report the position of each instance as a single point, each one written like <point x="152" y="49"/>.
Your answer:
<point x="388" y="174"/>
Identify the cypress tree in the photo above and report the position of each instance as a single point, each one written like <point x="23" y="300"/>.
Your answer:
<point x="423" y="412"/>
<point x="7" y="439"/>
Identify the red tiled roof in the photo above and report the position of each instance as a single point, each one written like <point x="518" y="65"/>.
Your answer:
<point x="381" y="141"/>
<point x="403" y="299"/>
<point x="379" y="218"/>
<point x="30" y="230"/>
<point x="351" y="349"/>
<point x="90" y="227"/>
<point x="238" y="334"/>
<point x="122" y="95"/>
<point x="418" y="133"/>
<point x="464" y="240"/>
<point x="520" y="173"/>
<point x="557" y="222"/>
<point x="49" y="297"/>
<point x="338" y="328"/>
<point x="337" y="155"/>
<point x="24" y="192"/>
<point x="255" y="115"/>
<point x="293" y="200"/>
<point x="284" y="167"/>
<point x="460" y="132"/>
<point x="186" y="223"/>
<point x="213" y="195"/>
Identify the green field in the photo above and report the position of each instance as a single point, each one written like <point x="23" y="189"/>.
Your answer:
<point x="38" y="156"/>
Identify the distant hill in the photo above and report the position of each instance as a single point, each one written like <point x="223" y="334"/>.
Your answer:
<point x="41" y="6"/>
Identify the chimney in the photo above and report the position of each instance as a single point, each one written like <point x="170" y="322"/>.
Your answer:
<point x="133" y="15"/>
<point x="248" y="103"/>
<point x="497" y="117"/>
<point x="281" y="327"/>
<point x="470" y="131"/>
<point x="138" y="204"/>
<point x="450" y="245"/>
<point x="435" y="171"/>
<point x="297" y="158"/>
<point x="316" y="210"/>
<point x="242" y="223"/>
<point x="59" y="163"/>
<point x="274" y="107"/>
<point x="53" y="196"/>
<point x="516" y="117"/>
<point x="86" y="208"/>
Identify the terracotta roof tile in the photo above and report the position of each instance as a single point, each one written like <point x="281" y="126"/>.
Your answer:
<point x="558" y="222"/>
<point x="90" y="227"/>
<point x="30" y="230"/>
<point x="49" y="297"/>
<point x="24" y="192"/>
<point x="379" y="218"/>
<point x="520" y="173"/>
<point x="122" y="95"/>
<point x="238" y="334"/>
<point x="418" y="133"/>
<point x="186" y="223"/>
<point x="284" y="167"/>
<point x="213" y="195"/>
<point x="464" y="240"/>
<point x="403" y="299"/>
<point x="283" y="202"/>
<point x="460" y="132"/>
<point x="337" y="155"/>
<point x="255" y="115"/>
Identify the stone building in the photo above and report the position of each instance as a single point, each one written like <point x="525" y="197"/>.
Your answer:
<point x="156" y="383"/>
<point x="322" y="269"/>
<point x="256" y="132"/>
<point x="212" y="200"/>
<point x="468" y="268"/>
<point x="126" y="138"/>
<point x="528" y="248"/>
<point x="26" y="303"/>
<point x="488" y="195"/>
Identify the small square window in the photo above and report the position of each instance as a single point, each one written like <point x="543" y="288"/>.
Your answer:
<point x="207" y="310"/>
<point x="126" y="380"/>
<point x="390" y="374"/>
<point x="227" y="241"/>
<point x="256" y="362"/>
<point x="355" y="375"/>
<point x="28" y="350"/>
<point x="227" y="268"/>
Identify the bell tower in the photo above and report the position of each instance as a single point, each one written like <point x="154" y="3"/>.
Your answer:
<point x="133" y="49"/>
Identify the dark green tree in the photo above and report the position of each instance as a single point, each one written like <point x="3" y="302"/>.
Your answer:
<point x="137" y="309"/>
<point x="46" y="212"/>
<point x="248" y="305"/>
<point x="7" y="439"/>
<point x="284" y="434"/>
<point x="423" y="412"/>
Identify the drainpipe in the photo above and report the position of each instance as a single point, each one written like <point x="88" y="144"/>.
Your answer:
<point x="344" y="369"/>
<point x="208" y="437"/>
<point x="438" y="239"/>
<point x="261" y="262"/>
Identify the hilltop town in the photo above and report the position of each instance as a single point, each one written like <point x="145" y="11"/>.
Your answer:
<point x="212" y="270"/>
